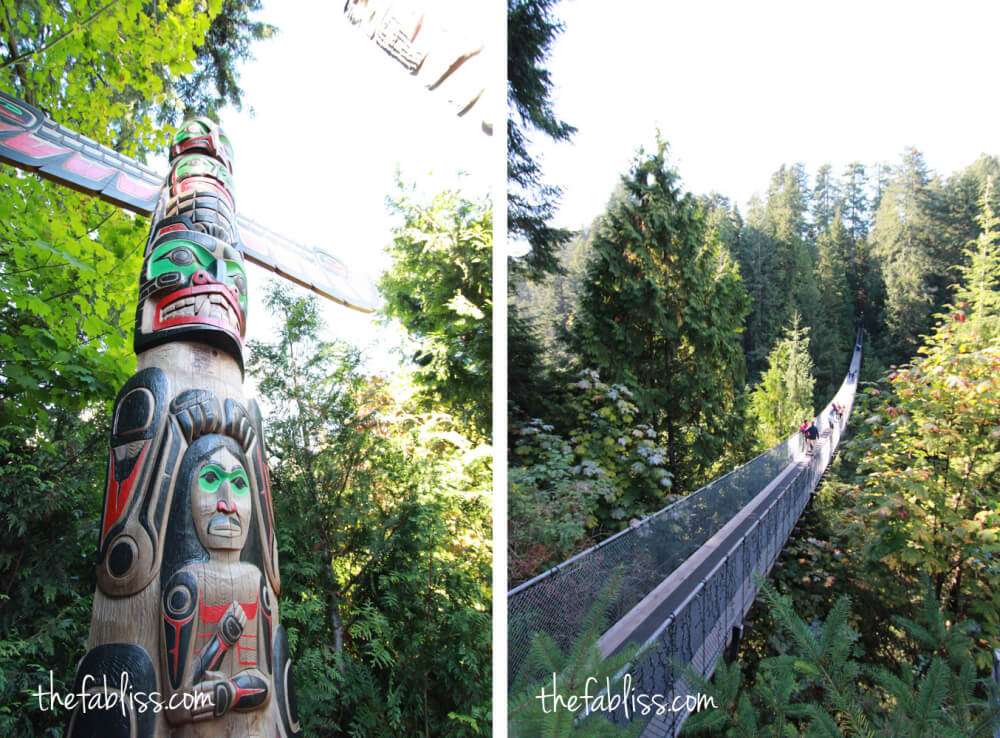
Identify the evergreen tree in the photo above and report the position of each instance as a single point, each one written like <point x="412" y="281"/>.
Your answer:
<point x="384" y="539"/>
<point x="817" y="686"/>
<point x="794" y="257"/>
<point x="550" y="304"/>
<point x="662" y="311"/>
<point x="788" y="204"/>
<point x="535" y="388"/>
<point x="835" y="319"/>
<point x="531" y="30"/>
<point x="857" y="211"/>
<point x="723" y="219"/>
<point x="826" y="199"/>
<point x="778" y="255"/>
<point x="214" y="83"/>
<point x="955" y="210"/>
<point x="979" y="293"/>
<point x="863" y="274"/>
<point x="756" y="255"/>
<point x="440" y="287"/>
<point x="784" y="397"/>
<point x="904" y="243"/>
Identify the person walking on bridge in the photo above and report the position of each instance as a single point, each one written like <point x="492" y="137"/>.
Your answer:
<point x="811" y="434"/>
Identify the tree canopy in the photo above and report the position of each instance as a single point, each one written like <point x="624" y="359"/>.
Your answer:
<point x="531" y="30"/>
<point x="440" y="288"/>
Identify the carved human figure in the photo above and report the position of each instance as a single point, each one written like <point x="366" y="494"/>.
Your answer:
<point x="217" y="613"/>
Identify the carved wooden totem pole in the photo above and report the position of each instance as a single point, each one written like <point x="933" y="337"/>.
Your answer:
<point x="185" y="613"/>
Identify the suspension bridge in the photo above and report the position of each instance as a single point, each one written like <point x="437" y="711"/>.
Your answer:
<point x="685" y="576"/>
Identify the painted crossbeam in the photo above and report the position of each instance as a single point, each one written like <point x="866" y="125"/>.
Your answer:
<point x="32" y="141"/>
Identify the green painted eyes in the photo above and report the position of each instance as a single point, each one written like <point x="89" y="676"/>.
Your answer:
<point x="187" y="258"/>
<point x="211" y="477"/>
<point x="179" y="256"/>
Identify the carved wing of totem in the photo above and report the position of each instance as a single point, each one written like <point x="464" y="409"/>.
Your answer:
<point x="32" y="141"/>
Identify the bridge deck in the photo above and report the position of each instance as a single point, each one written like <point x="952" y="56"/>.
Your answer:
<point x="643" y="621"/>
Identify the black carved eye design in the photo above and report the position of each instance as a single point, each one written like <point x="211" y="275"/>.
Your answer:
<point x="181" y="257"/>
<point x="209" y="477"/>
<point x="240" y="483"/>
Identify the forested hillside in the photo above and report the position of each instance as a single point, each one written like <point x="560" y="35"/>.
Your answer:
<point x="681" y="335"/>
<point x="702" y="317"/>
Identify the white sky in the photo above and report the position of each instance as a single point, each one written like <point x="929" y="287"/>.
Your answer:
<point x="739" y="88"/>
<point x="333" y="117"/>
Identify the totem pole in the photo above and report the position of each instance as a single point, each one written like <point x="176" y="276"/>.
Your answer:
<point x="185" y="636"/>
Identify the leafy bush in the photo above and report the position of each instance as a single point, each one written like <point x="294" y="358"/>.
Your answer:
<point x="563" y="490"/>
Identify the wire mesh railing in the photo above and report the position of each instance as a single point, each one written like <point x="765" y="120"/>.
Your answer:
<point x="558" y="601"/>
<point x="698" y="630"/>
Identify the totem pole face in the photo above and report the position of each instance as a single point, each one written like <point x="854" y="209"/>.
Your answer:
<point x="201" y="134"/>
<point x="220" y="502"/>
<point x="193" y="284"/>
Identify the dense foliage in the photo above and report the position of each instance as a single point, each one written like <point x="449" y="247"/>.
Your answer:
<point x="915" y="257"/>
<point x="784" y="397"/>
<point x="817" y="686"/>
<point x="657" y="403"/>
<point x="532" y="707"/>
<point x="567" y="489"/>
<point x="385" y="534"/>
<point x="381" y="486"/>
<point x="661" y="309"/>
<point x="441" y="290"/>
<point x="915" y="497"/>
<point x="825" y="248"/>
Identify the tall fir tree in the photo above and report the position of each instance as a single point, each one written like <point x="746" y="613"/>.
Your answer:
<point x="783" y="254"/>
<point x="857" y="206"/>
<point x="756" y="255"/>
<point x="826" y="199"/>
<point x="903" y="243"/>
<point x="662" y="310"/>
<point x="834" y="318"/>
<point x="979" y="293"/>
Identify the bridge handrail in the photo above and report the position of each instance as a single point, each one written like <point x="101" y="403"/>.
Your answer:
<point x="546" y="574"/>
<point x="654" y="667"/>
